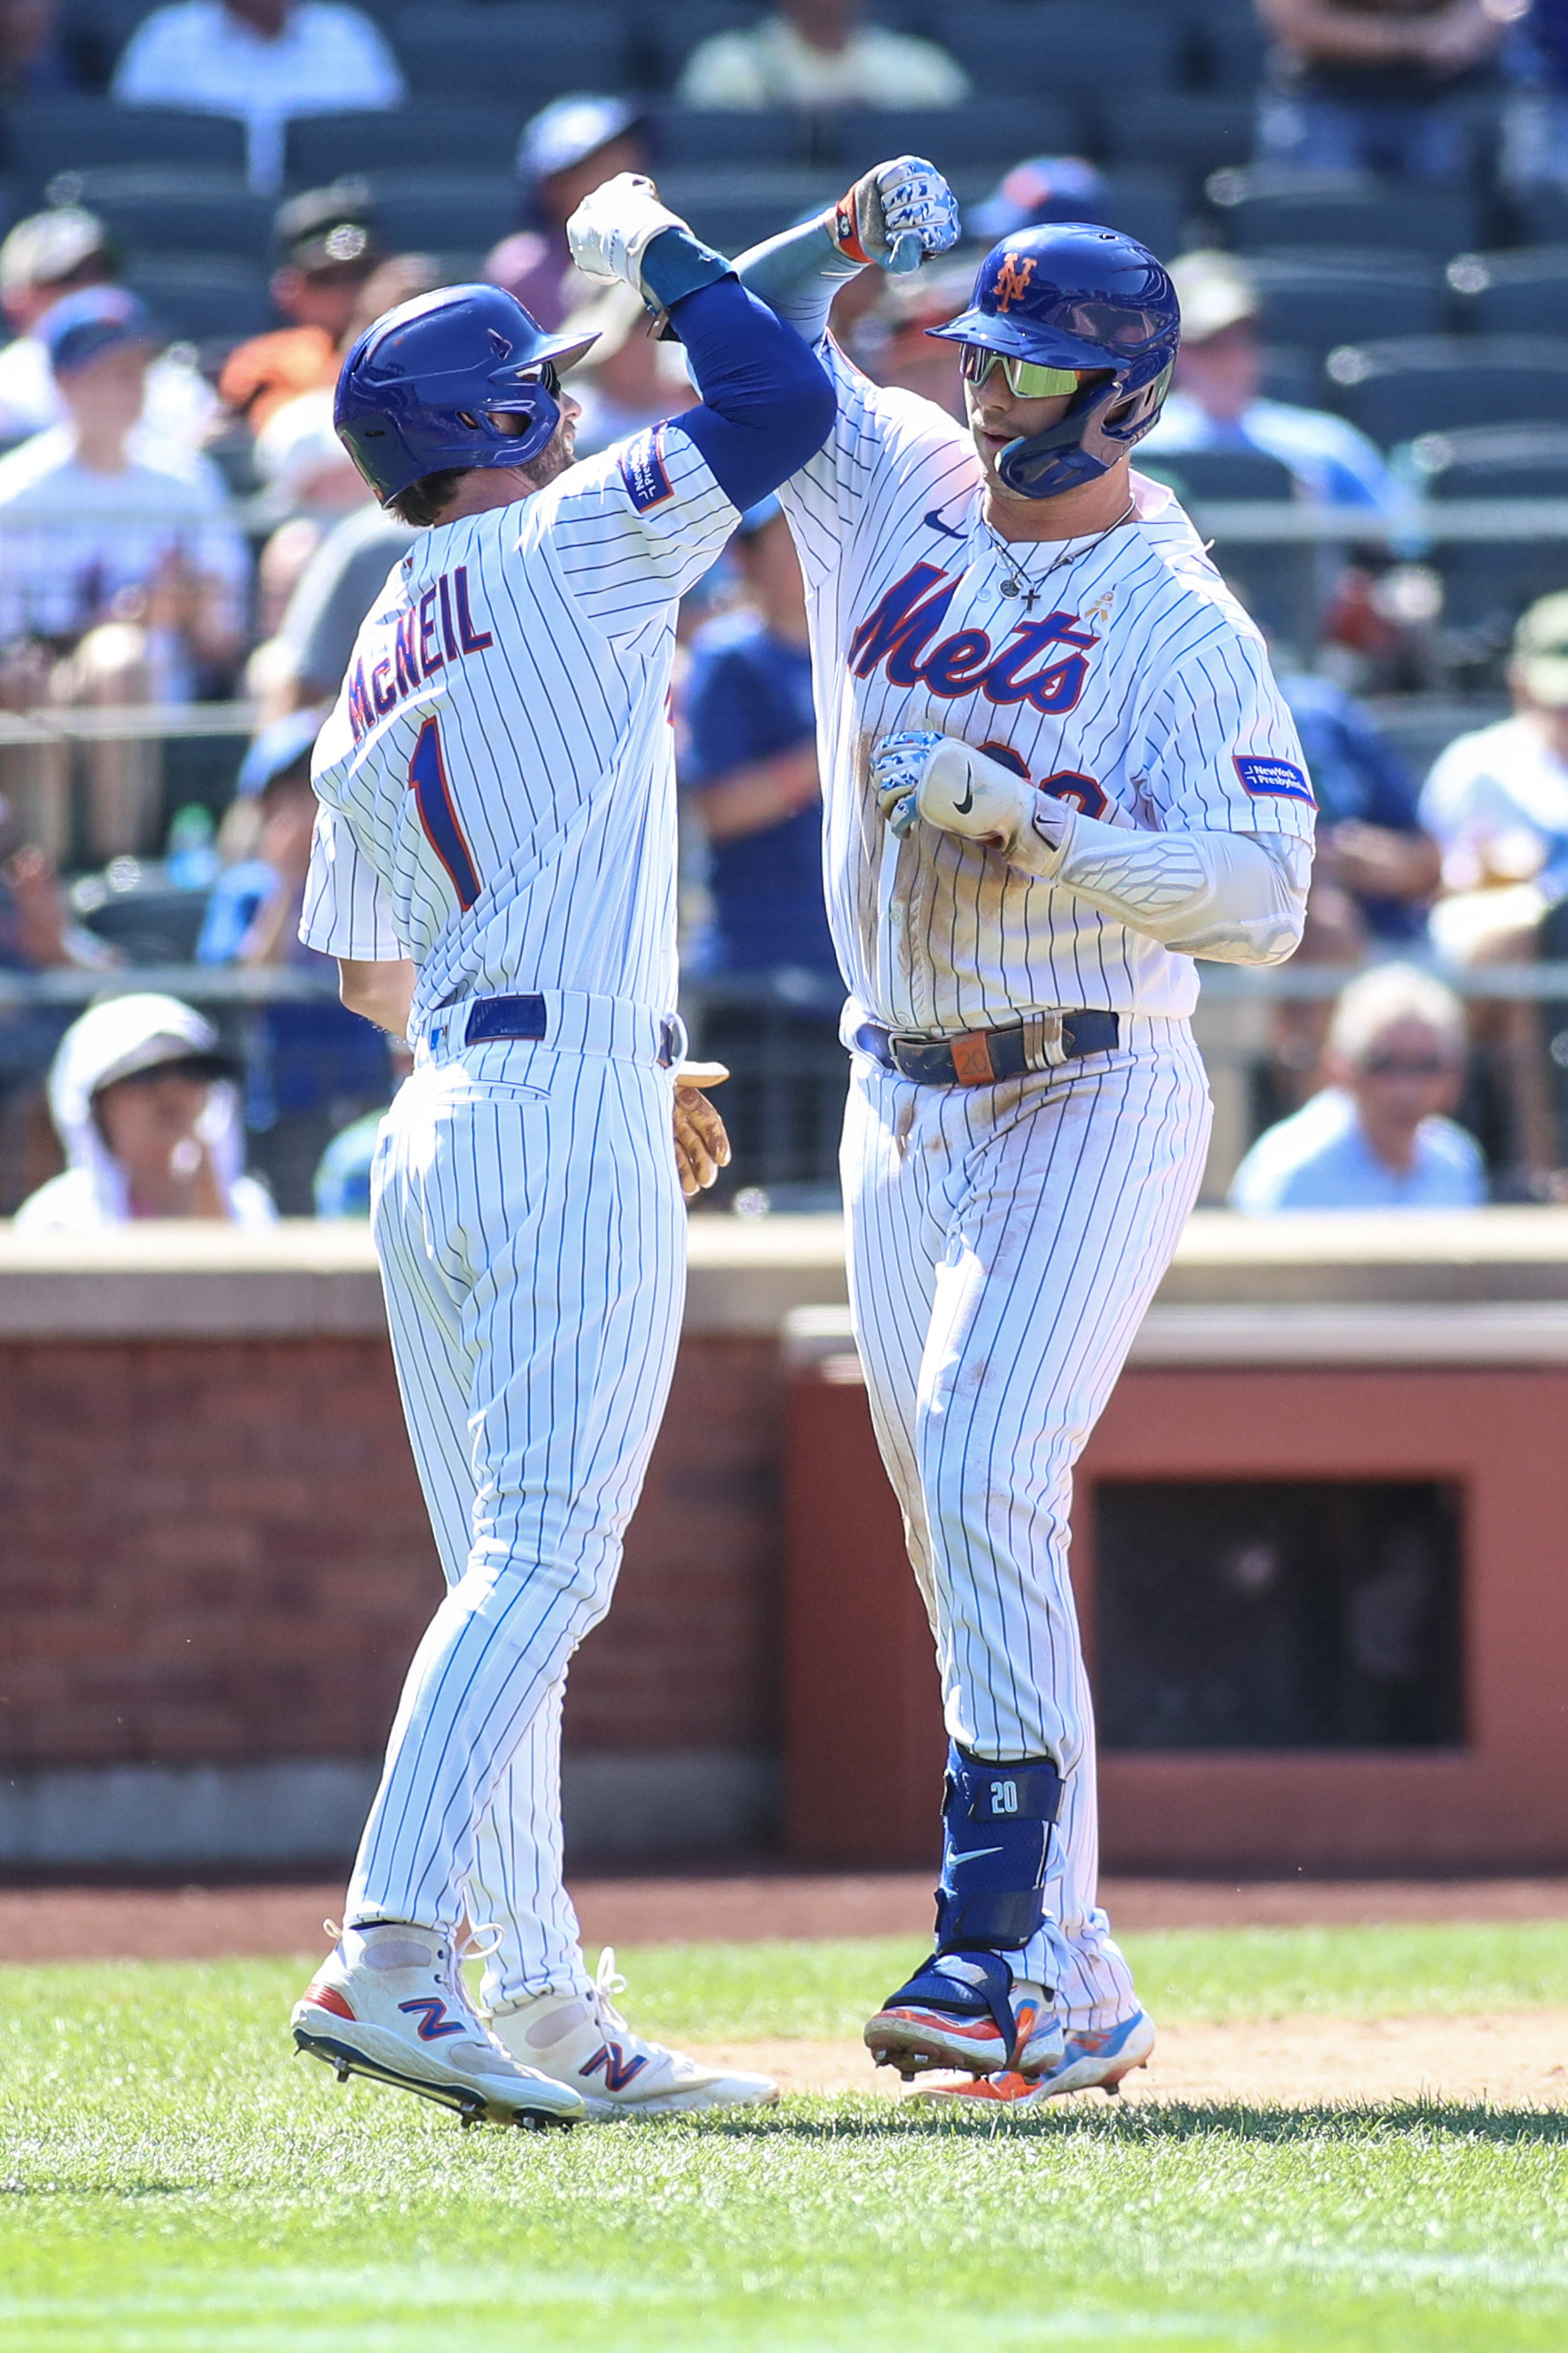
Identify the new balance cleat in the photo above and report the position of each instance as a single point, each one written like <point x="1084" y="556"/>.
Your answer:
<point x="581" y="2040"/>
<point x="389" y="2002"/>
<point x="1088" y="2062"/>
<point x="965" y="2009"/>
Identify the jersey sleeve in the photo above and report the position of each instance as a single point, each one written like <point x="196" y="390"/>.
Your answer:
<point x="1221" y="750"/>
<point x="634" y="528"/>
<point x="346" y="911"/>
<point x="885" y="445"/>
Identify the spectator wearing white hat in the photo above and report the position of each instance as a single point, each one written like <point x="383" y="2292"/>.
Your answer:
<point x="1381" y="1135"/>
<point x="567" y="150"/>
<point x="44" y="258"/>
<point x="265" y="62"/>
<point x="145" y="1104"/>
<point x="820" y="53"/>
<point x="629" y="379"/>
<point x="1217" y="403"/>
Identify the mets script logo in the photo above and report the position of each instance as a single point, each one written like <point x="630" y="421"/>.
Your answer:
<point x="1013" y="279"/>
<point x="900" y="635"/>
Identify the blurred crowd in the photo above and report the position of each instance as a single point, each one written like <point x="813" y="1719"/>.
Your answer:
<point x="180" y="528"/>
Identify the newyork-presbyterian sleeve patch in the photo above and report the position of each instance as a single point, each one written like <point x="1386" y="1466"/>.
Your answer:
<point x="644" y="471"/>
<point x="1273" y="779"/>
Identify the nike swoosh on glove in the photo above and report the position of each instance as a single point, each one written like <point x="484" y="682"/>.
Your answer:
<point x="922" y="773"/>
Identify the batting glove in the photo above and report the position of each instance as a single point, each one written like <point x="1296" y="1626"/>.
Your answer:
<point x="613" y="228"/>
<point x="898" y="213"/>
<point x="922" y="774"/>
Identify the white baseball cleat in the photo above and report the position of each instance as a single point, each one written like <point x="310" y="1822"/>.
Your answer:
<point x="389" y="2001"/>
<point x="582" y="2040"/>
<point x="1088" y="2062"/>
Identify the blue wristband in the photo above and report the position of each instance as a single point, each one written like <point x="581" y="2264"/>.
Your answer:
<point x="677" y="264"/>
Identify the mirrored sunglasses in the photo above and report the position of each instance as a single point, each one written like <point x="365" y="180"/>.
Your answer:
<point x="1027" y="380"/>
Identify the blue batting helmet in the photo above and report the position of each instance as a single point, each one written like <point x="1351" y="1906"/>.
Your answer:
<point x="1070" y="295"/>
<point x="419" y="389"/>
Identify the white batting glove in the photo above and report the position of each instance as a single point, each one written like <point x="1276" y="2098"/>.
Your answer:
<point x="613" y="228"/>
<point x="898" y="213"/>
<point x="922" y="774"/>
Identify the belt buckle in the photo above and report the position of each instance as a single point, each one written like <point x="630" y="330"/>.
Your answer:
<point x="1045" y="1048"/>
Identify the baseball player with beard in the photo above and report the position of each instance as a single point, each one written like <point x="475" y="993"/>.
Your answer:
<point x="494" y="866"/>
<point x="1055" y="769"/>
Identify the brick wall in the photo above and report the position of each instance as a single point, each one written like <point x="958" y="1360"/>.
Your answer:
<point x="217" y="1550"/>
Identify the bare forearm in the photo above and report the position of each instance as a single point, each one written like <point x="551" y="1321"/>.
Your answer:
<point x="763" y="793"/>
<point x="1318" y="30"/>
<point x="383" y="993"/>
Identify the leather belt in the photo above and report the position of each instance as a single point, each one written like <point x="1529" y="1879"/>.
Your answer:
<point x="491" y="1017"/>
<point x="978" y="1058"/>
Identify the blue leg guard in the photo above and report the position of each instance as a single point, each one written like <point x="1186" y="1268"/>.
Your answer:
<point x="995" y="1826"/>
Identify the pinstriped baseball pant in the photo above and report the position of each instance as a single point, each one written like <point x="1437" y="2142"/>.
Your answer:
<point x="532" y="1235"/>
<point x="1004" y="1244"/>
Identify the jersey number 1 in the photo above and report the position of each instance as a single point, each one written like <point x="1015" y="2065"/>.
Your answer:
<point x="432" y="793"/>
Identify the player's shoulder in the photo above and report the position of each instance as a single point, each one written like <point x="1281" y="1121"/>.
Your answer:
<point x="888" y="411"/>
<point x="1171" y="558"/>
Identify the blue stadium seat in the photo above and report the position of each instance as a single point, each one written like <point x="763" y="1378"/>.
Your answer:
<point x="1487" y="583"/>
<point x="1190" y="132"/>
<point x="981" y="139"/>
<point x="202" y="298"/>
<point x="1321" y="300"/>
<point x="1270" y="210"/>
<point x="70" y="134"/>
<point x="1399" y="388"/>
<point x="319" y="147"/>
<point x="1523" y="292"/>
<point x="1065" y="49"/>
<point x="700" y="137"/>
<point x="1228" y="46"/>
<point x="734" y="209"/>
<point x="156" y="208"/>
<point x="1147" y="205"/>
<point x="666" y="36"/>
<point x="436" y="212"/>
<point x="526" y="55"/>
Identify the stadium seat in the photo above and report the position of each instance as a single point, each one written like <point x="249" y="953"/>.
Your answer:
<point x="1541" y="217"/>
<point x="318" y="147"/>
<point x="1070" y="49"/>
<point x="159" y="208"/>
<point x="976" y="142"/>
<point x="444" y="213"/>
<point x="69" y="134"/>
<point x="1318" y="300"/>
<point x="1227" y="47"/>
<point x="1281" y="585"/>
<point x="1146" y="205"/>
<point x="1524" y="292"/>
<point x="699" y="137"/>
<point x="524" y="55"/>
<point x="1487" y="583"/>
<point x="202" y="298"/>
<point x="1189" y="133"/>
<point x="734" y="209"/>
<point x="1397" y="389"/>
<point x="1270" y="210"/>
<point x="666" y="36"/>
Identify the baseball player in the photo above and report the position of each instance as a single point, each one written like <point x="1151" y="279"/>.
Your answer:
<point x="494" y="866"/>
<point x="1057" y="768"/>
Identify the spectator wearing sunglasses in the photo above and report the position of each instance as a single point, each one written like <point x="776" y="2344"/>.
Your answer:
<point x="1381" y="1135"/>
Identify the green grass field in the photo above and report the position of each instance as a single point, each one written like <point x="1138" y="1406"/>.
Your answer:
<point x="174" y="2181"/>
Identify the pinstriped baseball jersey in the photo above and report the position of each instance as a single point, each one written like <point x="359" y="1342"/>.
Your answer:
<point x="1126" y="680"/>
<point x="497" y="779"/>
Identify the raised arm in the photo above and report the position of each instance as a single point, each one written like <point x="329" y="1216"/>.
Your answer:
<point x="767" y="406"/>
<point x="900" y="214"/>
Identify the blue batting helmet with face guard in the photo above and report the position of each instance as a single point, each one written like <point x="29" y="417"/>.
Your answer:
<point x="419" y="390"/>
<point x="1070" y="295"/>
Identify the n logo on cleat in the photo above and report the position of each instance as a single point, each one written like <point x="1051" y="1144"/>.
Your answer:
<point x="435" y="2022"/>
<point x="612" y="2061"/>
